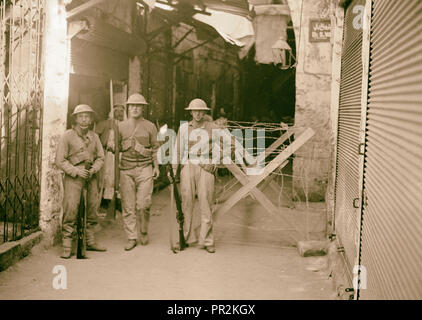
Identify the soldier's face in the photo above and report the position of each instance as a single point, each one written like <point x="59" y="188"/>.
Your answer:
<point x="119" y="114"/>
<point x="198" y="115"/>
<point x="136" y="110"/>
<point x="83" y="120"/>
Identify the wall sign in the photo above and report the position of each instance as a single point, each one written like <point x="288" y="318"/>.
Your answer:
<point x="319" y="30"/>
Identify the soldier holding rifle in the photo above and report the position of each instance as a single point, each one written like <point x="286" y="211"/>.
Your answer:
<point x="78" y="150"/>
<point x="138" y="167"/>
<point x="196" y="177"/>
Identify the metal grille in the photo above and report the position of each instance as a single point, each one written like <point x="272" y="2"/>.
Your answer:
<point x="347" y="171"/>
<point x="392" y="220"/>
<point x="20" y="116"/>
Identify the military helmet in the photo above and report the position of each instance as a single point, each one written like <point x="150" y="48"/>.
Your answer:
<point x="82" y="108"/>
<point x="136" y="98"/>
<point x="197" y="104"/>
<point x="118" y="105"/>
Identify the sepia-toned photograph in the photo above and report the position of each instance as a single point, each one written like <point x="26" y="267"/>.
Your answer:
<point x="210" y="154"/>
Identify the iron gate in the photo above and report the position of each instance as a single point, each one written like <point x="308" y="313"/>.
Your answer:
<point x="21" y="93"/>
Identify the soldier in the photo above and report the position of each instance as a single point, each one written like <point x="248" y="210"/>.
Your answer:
<point x="221" y="121"/>
<point x="106" y="130"/>
<point x="196" y="178"/>
<point x="105" y="127"/>
<point x="138" y="167"/>
<point x="78" y="149"/>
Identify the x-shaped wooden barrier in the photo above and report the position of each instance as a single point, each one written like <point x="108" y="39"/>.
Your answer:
<point x="250" y="183"/>
<point x="268" y="151"/>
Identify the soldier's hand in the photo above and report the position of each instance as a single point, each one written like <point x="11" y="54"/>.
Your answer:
<point x="111" y="146"/>
<point x="176" y="177"/>
<point x="156" y="172"/>
<point x="170" y="178"/>
<point x="91" y="173"/>
<point x="83" y="173"/>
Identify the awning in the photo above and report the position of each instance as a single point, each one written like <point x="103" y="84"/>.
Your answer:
<point x="230" y="19"/>
<point x="238" y="7"/>
<point x="231" y="27"/>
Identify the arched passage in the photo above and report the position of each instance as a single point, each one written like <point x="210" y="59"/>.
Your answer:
<point x="269" y="93"/>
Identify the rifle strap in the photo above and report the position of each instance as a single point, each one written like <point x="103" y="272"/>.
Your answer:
<point x="132" y="135"/>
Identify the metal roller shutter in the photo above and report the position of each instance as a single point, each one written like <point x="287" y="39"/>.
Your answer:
<point x="347" y="167"/>
<point x="392" y="216"/>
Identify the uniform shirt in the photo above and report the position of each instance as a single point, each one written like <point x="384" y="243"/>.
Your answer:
<point x="184" y="144"/>
<point x="74" y="149"/>
<point x="145" y="133"/>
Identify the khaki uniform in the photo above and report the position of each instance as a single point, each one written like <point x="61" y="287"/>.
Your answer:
<point x="74" y="150"/>
<point x="196" y="179"/>
<point x="138" y="144"/>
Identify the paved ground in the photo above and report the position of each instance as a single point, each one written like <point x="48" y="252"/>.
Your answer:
<point x="240" y="269"/>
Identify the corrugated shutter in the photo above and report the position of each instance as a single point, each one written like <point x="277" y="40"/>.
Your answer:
<point x="347" y="174"/>
<point x="391" y="248"/>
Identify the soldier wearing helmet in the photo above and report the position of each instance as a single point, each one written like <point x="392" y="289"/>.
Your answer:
<point x="196" y="177"/>
<point x="79" y="149"/>
<point x="138" y="167"/>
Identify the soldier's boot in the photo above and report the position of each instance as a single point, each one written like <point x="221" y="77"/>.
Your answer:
<point x="67" y="248"/>
<point x="144" y="219"/>
<point x="210" y="249"/>
<point x="95" y="247"/>
<point x="144" y="238"/>
<point x="131" y="243"/>
<point x="91" y="244"/>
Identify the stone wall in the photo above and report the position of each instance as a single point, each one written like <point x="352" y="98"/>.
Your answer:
<point x="56" y="90"/>
<point x="312" y="166"/>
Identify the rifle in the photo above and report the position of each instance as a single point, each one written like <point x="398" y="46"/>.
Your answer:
<point x="81" y="219"/>
<point x="180" y="216"/>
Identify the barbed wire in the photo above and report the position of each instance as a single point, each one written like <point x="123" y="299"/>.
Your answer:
<point x="293" y="183"/>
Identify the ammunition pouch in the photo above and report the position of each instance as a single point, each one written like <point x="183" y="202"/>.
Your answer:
<point x="142" y="150"/>
<point x="127" y="144"/>
<point x="139" y="148"/>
